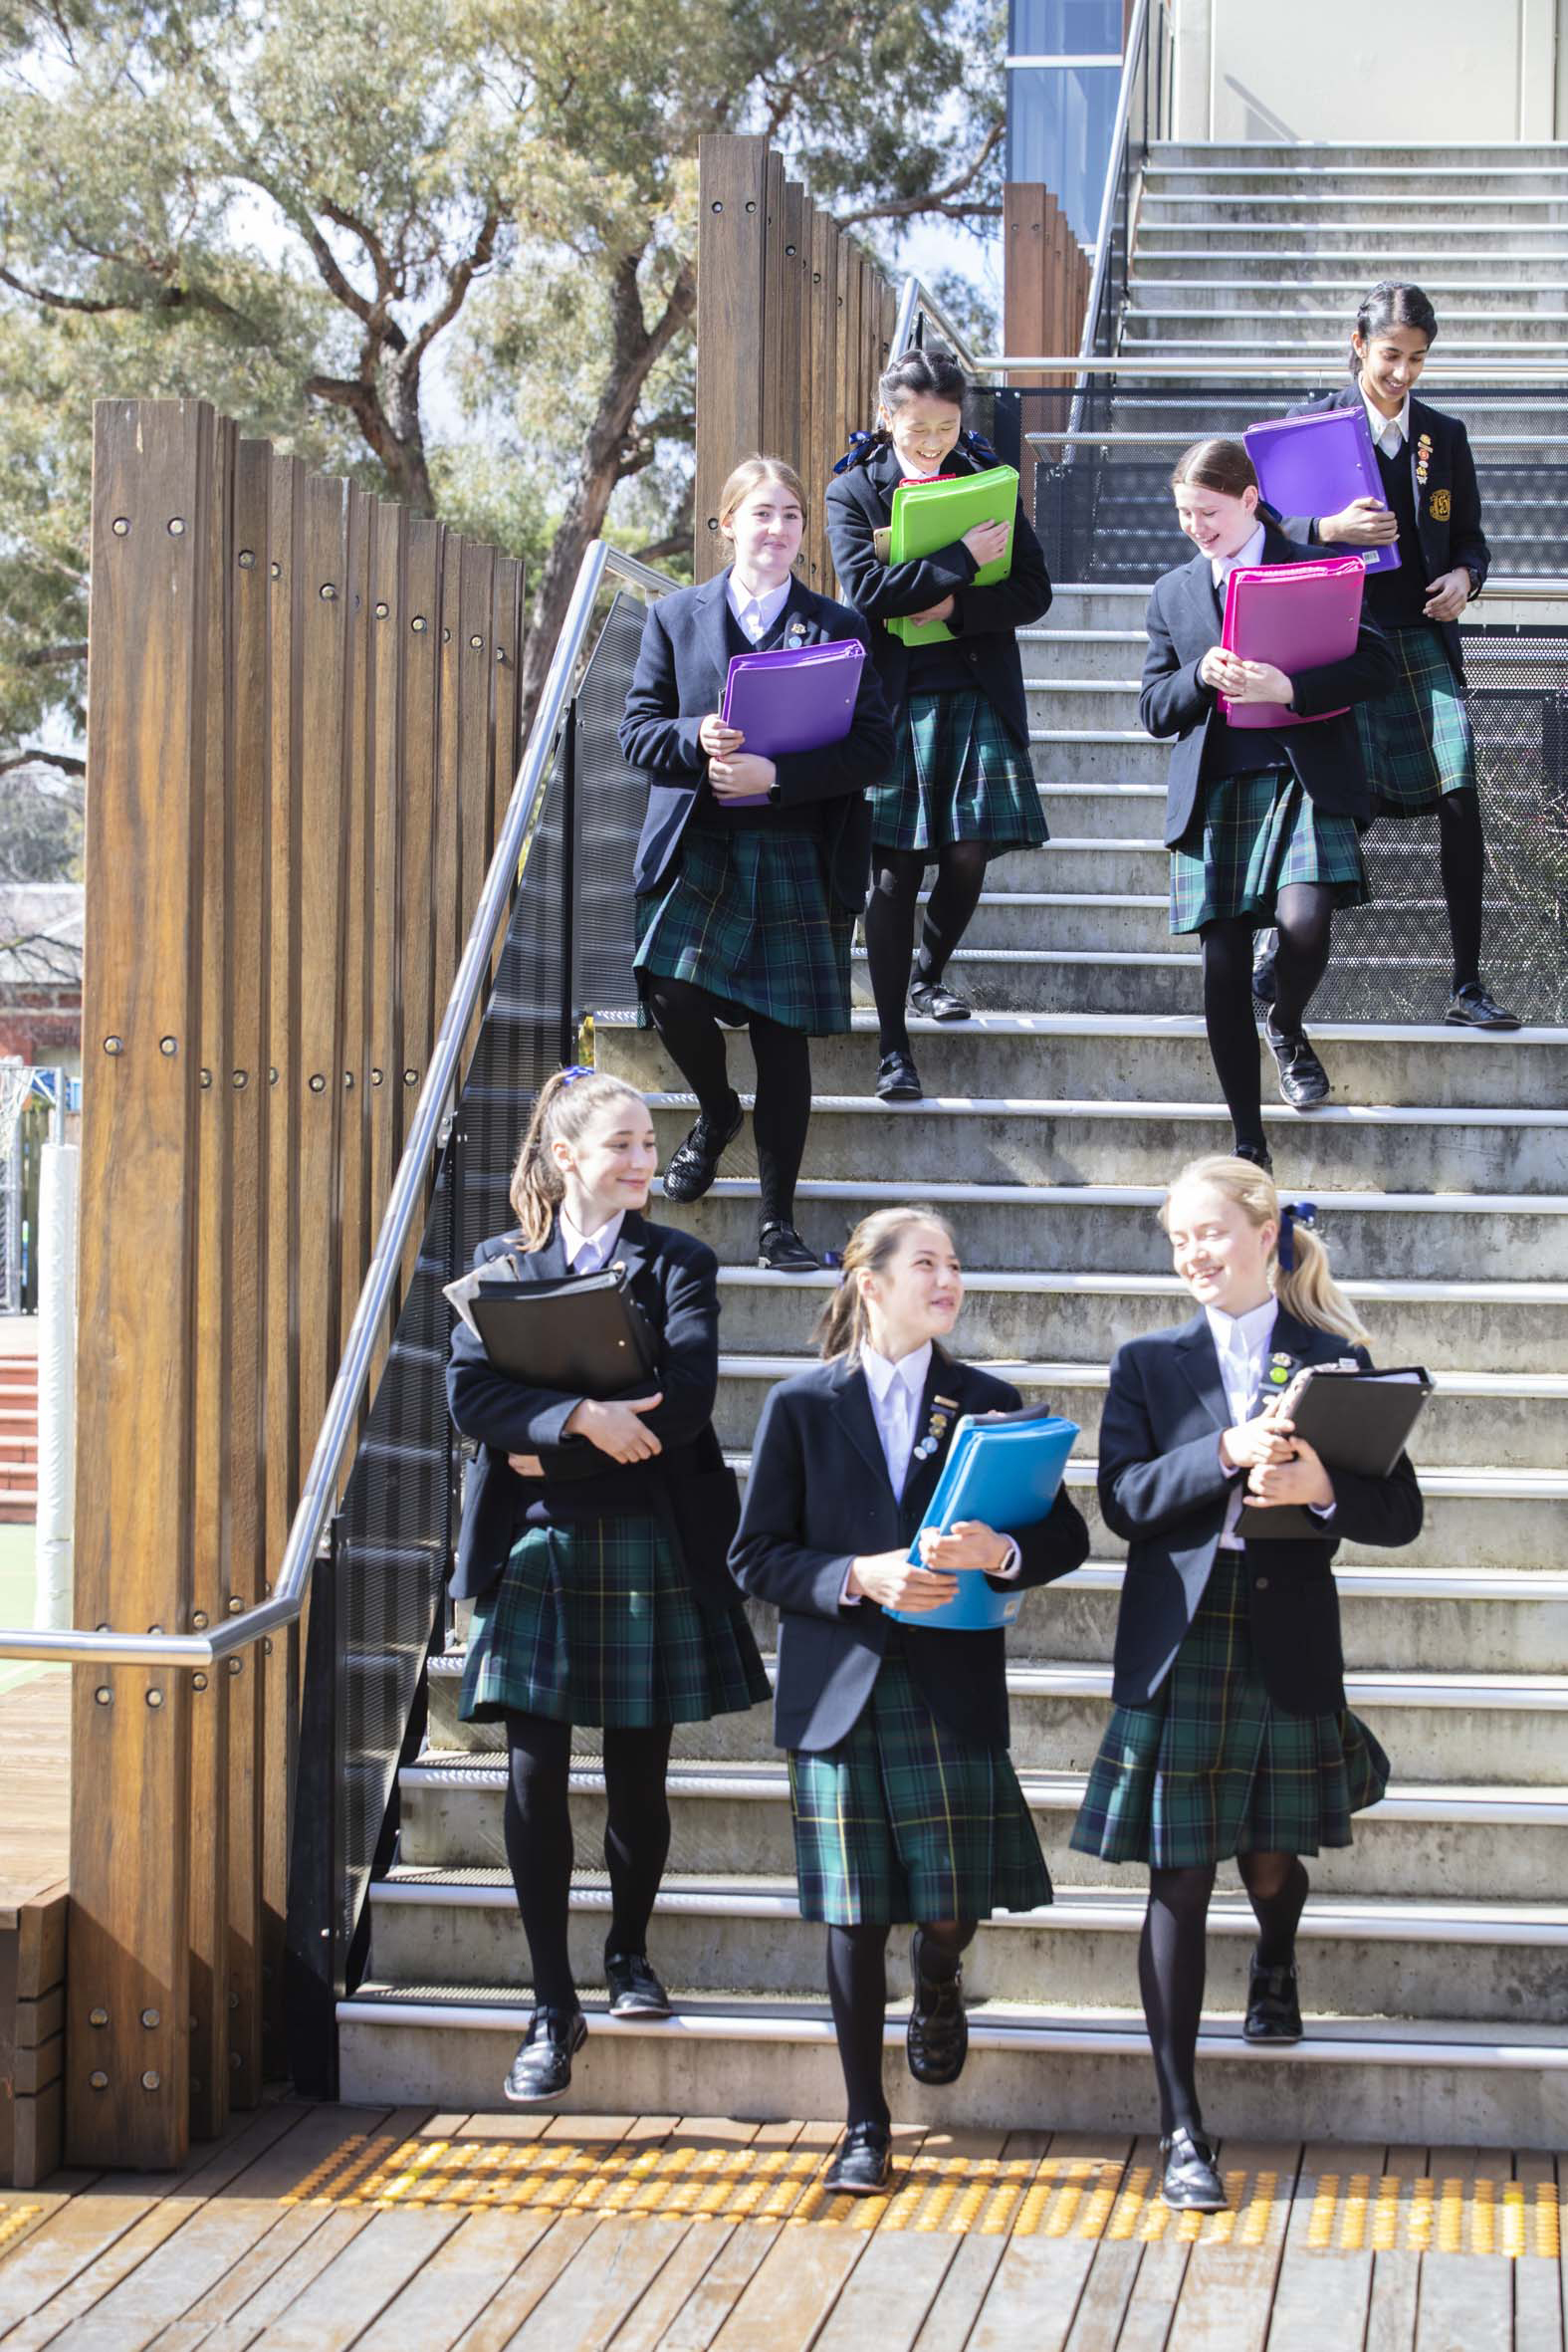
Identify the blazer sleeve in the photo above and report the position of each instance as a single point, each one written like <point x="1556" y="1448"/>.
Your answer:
<point x="852" y="765"/>
<point x="653" y="735"/>
<point x="1467" y="540"/>
<point x="887" y="592"/>
<point x="1361" y="677"/>
<point x="1011" y="604"/>
<point x="1173" y="697"/>
<point x="497" y="1411"/>
<point x="1143" y="1490"/>
<point x="1383" y="1510"/>
<point x="768" y="1557"/>
<point x="688" y="1376"/>
<point x="1052" y="1547"/>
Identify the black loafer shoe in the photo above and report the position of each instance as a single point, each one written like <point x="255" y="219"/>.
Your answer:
<point x="1190" y="2184"/>
<point x="897" y="1079"/>
<point x="863" y="2165"/>
<point x="635" y="1988"/>
<point x="780" y="1249"/>
<point x="1472" y="1008"/>
<point x="1258" y="1154"/>
<point x="695" y="1163"/>
<point x="1263" y="978"/>
<point x="1273" y="2005"/>
<point x="936" y="2041"/>
<point x="936" y="1002"/>
<point x="542" y="2068"/>
<point x="1302" y="1078"/>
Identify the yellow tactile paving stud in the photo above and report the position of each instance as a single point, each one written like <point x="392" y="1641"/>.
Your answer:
<point x="14" y="2218"/>
<point x="701" y="2179"/>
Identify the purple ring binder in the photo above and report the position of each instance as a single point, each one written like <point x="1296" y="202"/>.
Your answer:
<point x="1315" y="465"/>
<point x="794" y="699"/>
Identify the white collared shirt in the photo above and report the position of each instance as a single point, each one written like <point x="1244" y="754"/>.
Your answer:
<point x="1251" y="553"/>
<point x="590" y="1252"/>
<point x="896" y="1391"/>
<point x="1388" y="433"/>
<point x="1240" y="1342"/>
<point x="756" y="615"/>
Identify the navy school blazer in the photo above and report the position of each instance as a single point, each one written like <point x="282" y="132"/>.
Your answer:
<point x="860" y="502"/>
<point x="682" y="665"/>
<point x="819" y="1495"/>
<point x="1448" y="504"/>
<point x="673" y="1277"/>
<point x="1183" y="620"/>
<point x="1162" y="1486"/>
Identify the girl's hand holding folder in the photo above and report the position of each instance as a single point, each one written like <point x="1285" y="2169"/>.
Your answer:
<point x="968" y="1543"/>
<point x="988" y="541"/>
<point x="1244" y="682"/>
<point x="719" y="740"/>
<point x="1366" y="522"/>
<point x="616" y="1429"/>
<point x="888" y="1579"/>
<point x="1301" y="1481"/>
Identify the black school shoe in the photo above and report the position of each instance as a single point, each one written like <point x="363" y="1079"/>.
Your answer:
<point x="1472" y="1008"/>
<point x="1190" y="2184"/>
<point x="937" y="1002"/>
<point x="936" y="2041"/>
<point x="780" y="1249"/>
<point x="897" y="1078"/>
<point x="863" y="2165"/>
<point x="1258" y="1154"/>
<point x="1303" y="1081"/>
<point x="1263" y="976"/>
<point x="635" y="1987"/>
<point x="542" y="2068"/>
<point x="1273" y="2005"/>
<point x="695" y="1163"/>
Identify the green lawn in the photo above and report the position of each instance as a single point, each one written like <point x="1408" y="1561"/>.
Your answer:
<point x="15" y="1602"/>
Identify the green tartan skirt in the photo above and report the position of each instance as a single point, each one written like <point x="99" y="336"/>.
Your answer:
<point x="1417" y="741"/>
<point x="1249" y="837"/>
<point x="593" y="1623"/>
<point x="1212" y="1768"/>
<point x="902" y="1821"/>
<point x="958" y="776"/>
<point x="751" y="917"/>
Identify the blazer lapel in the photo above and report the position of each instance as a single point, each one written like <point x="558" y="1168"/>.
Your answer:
<point x="943" y="1394"/>
<point x="714" y="626"/>
<point x="1200" y="1362"/>
<point x="1204" y="604"/>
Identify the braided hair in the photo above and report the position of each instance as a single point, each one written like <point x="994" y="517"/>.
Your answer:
<point x="918" y="374"/>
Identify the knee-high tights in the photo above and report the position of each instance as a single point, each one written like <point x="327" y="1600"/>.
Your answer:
<point x="687" y="1018"/>
<point x="896" y="875"/>
<point x="538" y="1829"/>
<point x="857" y="1989"/>
<point x="1461" y="858"/>
<point x="1170" y="1954"/>
<point x="1303" y="914"/>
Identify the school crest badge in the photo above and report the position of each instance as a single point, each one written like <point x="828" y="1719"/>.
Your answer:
<point x="1442" y="505"/>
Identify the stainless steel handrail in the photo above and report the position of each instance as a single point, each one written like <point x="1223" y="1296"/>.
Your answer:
<point x="1137" y="40"/>
<point x="916" y="300"/>
<point x="404" y="1202"/>
<point x="1240" y="370"/>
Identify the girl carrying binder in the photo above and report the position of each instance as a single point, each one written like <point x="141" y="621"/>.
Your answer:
<point x="1228" y="1733"/>
<point x="961" y="790"/>
<point x="1262" y="826"/>
<point x="592" y="1543"/>
<point x="905" y="1802"/>
<point x="746" y="913"/>
<point x="1417" y="742"/>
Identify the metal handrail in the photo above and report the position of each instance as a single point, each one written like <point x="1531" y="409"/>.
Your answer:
<point x="916" y="301"/>
<point x="1239" y="369"/>
<point x="320" y="1491"/>
<point x="1137" y="35"/>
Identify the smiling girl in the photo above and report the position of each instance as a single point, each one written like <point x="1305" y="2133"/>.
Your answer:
<point x="592" y="1543"/>
<point x="905" y="1802"/>
<point x="1230" y="1734"/>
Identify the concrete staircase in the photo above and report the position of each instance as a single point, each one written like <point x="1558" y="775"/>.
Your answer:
<point x="1434" y="1954"/>
<point x="19" y="1427"/>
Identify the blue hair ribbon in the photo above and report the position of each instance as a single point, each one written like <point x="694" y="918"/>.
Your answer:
<point x="579" y="1069"/>
<point x="975" y="446"/>
<point x="862" y="448"/>
<point x="1292" y="1214"/>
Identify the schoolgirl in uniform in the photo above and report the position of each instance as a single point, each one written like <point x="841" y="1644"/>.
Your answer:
<point x="1228" y="1733"/>
<point x="904" y="1801"/>
<point x="961" y="790"/>
<point x="1261" y="827"/>
<point x="1417" y="742"/>
<point x="749" y="871"/>
<point x="592" y="1543"/>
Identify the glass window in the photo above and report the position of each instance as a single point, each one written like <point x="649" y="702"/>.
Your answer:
<point x="1065" y="28"/>
<point x="1060" y="124"/>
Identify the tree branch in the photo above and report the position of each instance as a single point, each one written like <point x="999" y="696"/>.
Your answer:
<point x="46" y="657"/>
<point x="65" y="762"/>
<point x="940" y="200"/>
<point x="459" y="279"/>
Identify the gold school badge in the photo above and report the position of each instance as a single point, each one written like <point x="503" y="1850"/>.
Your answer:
<point x="1441" y="506"/>
<point x="1423" y="459"/>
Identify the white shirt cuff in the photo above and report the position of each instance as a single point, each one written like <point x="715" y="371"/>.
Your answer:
<point x="1013" y="1562"/>
<point x="848" y="1599"/>
<point x="1323" y="1510"/>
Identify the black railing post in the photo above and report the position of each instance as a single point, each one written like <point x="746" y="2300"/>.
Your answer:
<point x="314" y="1959"/>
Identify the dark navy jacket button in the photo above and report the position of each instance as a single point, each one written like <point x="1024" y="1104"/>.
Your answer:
<point x="1262" y="1585"/>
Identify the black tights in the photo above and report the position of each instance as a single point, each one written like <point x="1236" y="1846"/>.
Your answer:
<point x="1304" y="913"/>
<point x="1461" y="853"/>
<point x="537" y="1825"/>
<point x="1171" y="1963"/>
<point x="896" y="877"/>
<point x="857" y="1988"/>
<point x="687" y="1020"/>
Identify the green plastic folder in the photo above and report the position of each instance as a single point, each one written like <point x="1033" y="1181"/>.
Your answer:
<point x="932" y="514"/>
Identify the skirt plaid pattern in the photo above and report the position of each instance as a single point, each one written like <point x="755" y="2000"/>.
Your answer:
<point x="750" y="917"/>
<point x="1417" y="741"/>
<point x="958" y="776"/>
<point x="1253" y="834"/>
<point x="593" y="1624"/>
<point x="1210" y="1768"/>
<point x="901" y="1820"/>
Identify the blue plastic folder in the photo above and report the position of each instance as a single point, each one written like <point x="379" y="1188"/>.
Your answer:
<point x="1005" y="1473"/>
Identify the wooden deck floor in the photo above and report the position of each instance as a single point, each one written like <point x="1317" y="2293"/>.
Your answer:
<point x="35" y="1773"/>
<point x="313" y="2228"/>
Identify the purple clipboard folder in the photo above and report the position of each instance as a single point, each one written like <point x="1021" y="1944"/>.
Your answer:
<point x="1314" y="465"/>
<point x="799" y="698"/>
<point x="1300" y="617"/>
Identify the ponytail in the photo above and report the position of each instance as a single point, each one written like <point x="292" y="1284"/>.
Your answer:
<point x="844" y="1326"/>
<point x="1300" y="1273"/>
<point x="565" y="1107"/>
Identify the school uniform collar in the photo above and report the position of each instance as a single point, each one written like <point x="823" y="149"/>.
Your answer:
<point x="1256" y="1328"/>
<point x="1379" y="426"/>
<point x="881" y="1372"/>
<point x="853" y="1391"/>
<point x="766" y="609"/>
<point x="1250" y="552"/>
<point x="713" y="603"/>
<point x="588" y="1253"/>
<point x="1197" y="577"/>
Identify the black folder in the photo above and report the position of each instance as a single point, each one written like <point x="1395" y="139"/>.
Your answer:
<point x="1355" y="1420"/>
<point x="581" y="1335"/>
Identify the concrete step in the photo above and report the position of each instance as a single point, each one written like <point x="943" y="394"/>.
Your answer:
<point x="1318" y="333"/>
<point x="1129" y="1060"/>
<point x="1084" y="1318"/>
<point x="1063" y="700"/>
<point x="1082" y="654"/>
<point x="1103" y="812"/>
<point x="1437" y="157"/>
<point x="1436" y="213"/>
<point x="1465" y="1844"/>
<point x="1389" y="1958"/>
<point x="1503" y="303"/>
<point x="1300" y="171"/>
<point x="1191" y="407"/>
<point x="1067" y="979"/>
<point x="1097" y="755"/>
<point x="1087" y="604"/>
<point x="1339" y="257"/>
<point x="1021" y="919"/>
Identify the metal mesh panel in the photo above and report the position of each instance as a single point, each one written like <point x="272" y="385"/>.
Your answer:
<point x="611" y="798"/>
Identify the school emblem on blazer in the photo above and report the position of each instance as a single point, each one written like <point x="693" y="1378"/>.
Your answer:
<point x="1280" y="1367"/>
<point x="1422" y="463"/>
<point x="1441" y="506"/>
<point x="943" y="1409"/>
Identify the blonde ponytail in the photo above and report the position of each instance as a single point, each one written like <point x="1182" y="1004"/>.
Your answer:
<point x="567" y="1106"/>
<point x="843" y="1327"/>
<point x="1306" y="1289"/>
